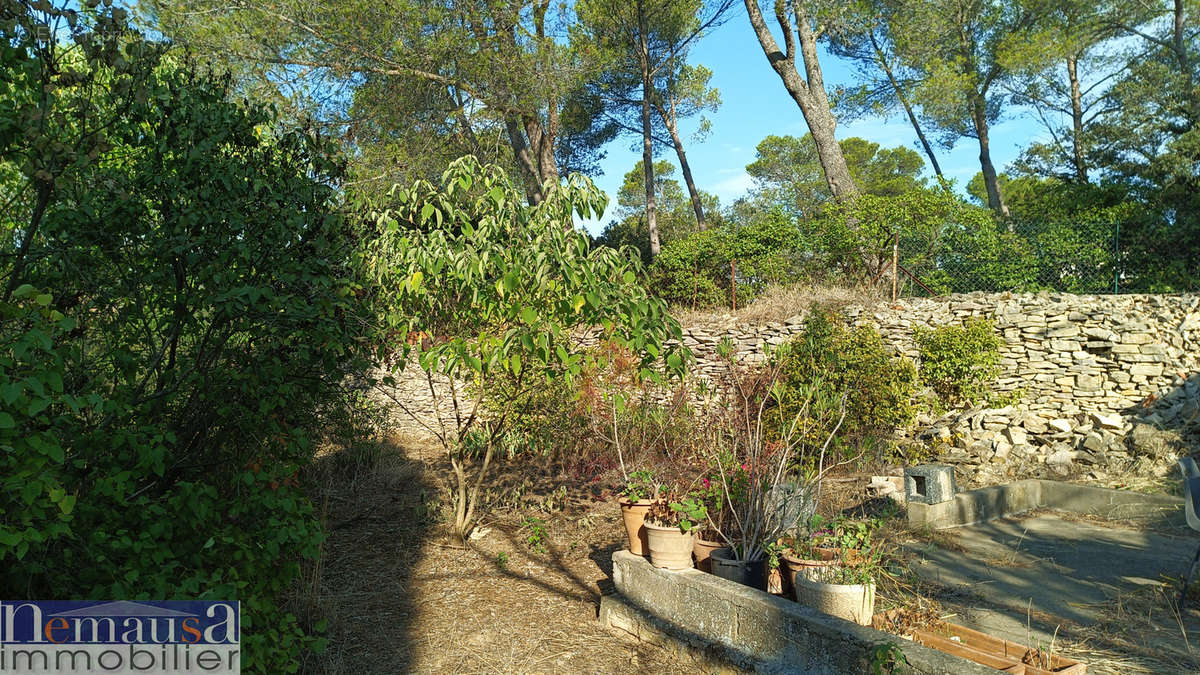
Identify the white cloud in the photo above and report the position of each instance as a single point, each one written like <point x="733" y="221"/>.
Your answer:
<point x="733" y="187"/>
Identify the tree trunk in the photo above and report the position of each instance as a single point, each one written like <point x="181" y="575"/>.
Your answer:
<point x="808" y="94"/>
<point x="673" y="129"/>
<point x="1076" y="121"/>
<point x="1180" y="46"/>
<point x="647" y="139"/>
<point x="821" y="122"/>
<point x="990" y="181"/>
<point x="542" y="141"/>
<point x="533" y="183"/>
<point x="908" y="109"/>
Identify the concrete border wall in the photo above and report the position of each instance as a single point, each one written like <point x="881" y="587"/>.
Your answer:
<point x="999" y="501"/>
<point x="754" y="630"/>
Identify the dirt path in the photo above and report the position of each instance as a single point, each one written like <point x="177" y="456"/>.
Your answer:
<point x="401" y="596"/>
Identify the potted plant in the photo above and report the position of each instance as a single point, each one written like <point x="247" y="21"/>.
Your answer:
<point x="802" y="555"/>
<point x="845" y="589"/>
<point x="641" y="491"/>
<point x="769" y="468"/>
<point x="671" y="529"/>
<point x="708" y="538"/>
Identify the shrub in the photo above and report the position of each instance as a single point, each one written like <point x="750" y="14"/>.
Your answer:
<point x="179" y="321"/>
<point x="853" y="362"/>
<point x="696" y="271"/>
<point x="472" y="305"/>
<point x="636" y="422"/>
<point x="959" y="362"/>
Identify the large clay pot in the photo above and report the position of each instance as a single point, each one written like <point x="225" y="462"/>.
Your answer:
<point x="852" y="602"/>
<point x="702" y="549"/>
<point x="805" y="567"/>
<point x="752" y="573"/>
<point x="670" y="548"/>
<point x="633" y="514"/>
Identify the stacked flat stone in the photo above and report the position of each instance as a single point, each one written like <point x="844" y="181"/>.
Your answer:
<point x="1090" y="369"/>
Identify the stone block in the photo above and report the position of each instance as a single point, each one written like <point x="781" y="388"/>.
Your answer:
<point x="1061" y="330"/>
<point x="1108" y="421"/>
<point x="751" y="629"/>
<point x="1016" y="435"/>
<point x="929" y="484"/>
<point x="1146" y="369"/>
<point x="1059" y="426"/>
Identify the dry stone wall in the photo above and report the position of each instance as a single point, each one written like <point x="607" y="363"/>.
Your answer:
<point x="1108" y="384"/>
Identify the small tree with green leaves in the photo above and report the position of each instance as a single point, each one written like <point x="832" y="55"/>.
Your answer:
<point x="489" y="290"/>
<point x="959" y="362"/>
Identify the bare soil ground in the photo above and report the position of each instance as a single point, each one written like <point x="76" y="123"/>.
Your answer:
<point x="401" y="595"/>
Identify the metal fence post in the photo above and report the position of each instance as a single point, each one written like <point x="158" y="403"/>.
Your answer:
<point x="895" y="264"/>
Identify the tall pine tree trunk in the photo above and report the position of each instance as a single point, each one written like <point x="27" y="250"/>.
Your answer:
<point x="1077" y="154"/>
<point x="647" y="138"/>
<point x="808" y="92"/>
<point x="881" y="58"/>
<point x="990" y="180"/>
<point x="532" y="177"/>
<point x="673" y="128"/>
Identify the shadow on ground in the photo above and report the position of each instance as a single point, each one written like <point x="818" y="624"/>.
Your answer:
<point x="376" y="505"/>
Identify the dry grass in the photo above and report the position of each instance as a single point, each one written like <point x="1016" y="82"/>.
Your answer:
<point x="402" y="595"/>
<point x="778" y="303"/>
<point x="1119" y="643"/>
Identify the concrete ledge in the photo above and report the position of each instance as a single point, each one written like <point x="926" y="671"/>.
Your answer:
<point x="999" y="501"/>
<point x="750" y="628"/>
<point x="1113" y="504"/>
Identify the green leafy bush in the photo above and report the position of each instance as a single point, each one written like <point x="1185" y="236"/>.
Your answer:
<point x="853" y="362"/>
<point x="698" y="270"/>
<point x="959" y="362"/>
<point x="472" y="305"/>
<point x="198" y="311"/>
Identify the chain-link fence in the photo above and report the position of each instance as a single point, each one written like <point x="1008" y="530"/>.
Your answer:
<point x="1082" y="259"/>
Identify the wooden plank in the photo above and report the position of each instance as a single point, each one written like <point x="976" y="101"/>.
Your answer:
<point x="996" y="650"/>
<point x="954" y="648"/>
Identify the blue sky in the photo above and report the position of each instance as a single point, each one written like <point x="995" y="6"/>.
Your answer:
<point x="755" y="104"/>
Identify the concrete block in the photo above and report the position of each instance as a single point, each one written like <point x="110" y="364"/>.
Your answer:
<point x="977" y="506"/>
<point x="929" y="484"/>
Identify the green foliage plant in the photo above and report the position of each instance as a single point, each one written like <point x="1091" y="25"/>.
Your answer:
<point x="183" y="307"/>
<point x="536" y="537"/>
<point x="686" y="512"/>
<point x="765" y="472"/>
<point x="886" y="657"/>
<point x="959" y="362"/>
<point x="852" y="362"/>
<point x="638" y="421"/>
<point x="699" y="270"/>
<point x="486" y="288"/>
<point x="642" y="485"/>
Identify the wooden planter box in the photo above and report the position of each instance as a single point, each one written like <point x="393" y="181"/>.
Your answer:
<point x="1002" y="655"/>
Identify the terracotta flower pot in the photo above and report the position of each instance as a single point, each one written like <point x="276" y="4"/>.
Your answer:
<point x="633" y="514"/>
<point x="702" y="549"/>
<point x="669" y="548"/>
<point x="853" y="602"/>
<point x="805" y="567"/>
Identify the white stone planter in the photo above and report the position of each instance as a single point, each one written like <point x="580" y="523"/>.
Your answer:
<point x="853" y="602"/>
